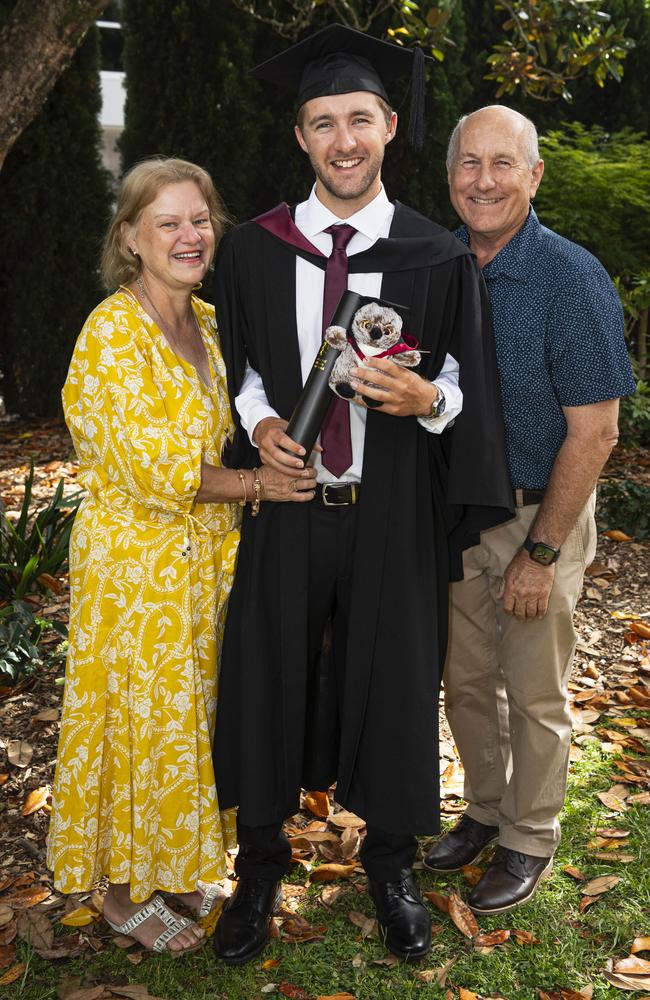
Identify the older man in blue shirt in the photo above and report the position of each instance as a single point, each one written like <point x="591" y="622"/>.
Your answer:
<point x="563" y="366"/>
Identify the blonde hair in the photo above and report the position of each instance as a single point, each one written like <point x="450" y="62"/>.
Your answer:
<point x="140" y="186"/>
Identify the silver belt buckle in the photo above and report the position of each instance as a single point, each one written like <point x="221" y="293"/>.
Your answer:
<point x="335" y="487"/>
<point x="326" y="502"/>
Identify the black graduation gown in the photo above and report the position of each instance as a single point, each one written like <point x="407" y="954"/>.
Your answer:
<point x="424" y="497"/>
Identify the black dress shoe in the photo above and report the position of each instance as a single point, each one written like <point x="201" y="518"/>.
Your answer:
<point x="461" y="846"/>
<point x="510" y="879"/>
<point x="243" y="927"/>
<point x="404" y="922"/>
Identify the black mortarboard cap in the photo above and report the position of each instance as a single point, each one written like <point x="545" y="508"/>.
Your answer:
<point x="341" y="60"/>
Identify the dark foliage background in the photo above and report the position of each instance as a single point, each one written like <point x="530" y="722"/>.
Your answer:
<point x="54" y="205"/>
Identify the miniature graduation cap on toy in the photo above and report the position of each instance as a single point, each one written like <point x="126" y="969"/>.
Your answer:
<point x="340" y="60"/>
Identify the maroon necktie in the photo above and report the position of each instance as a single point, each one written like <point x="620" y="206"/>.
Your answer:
<point x="335" y="433"/>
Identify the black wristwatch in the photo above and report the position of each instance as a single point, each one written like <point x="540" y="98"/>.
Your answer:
<point x="540" y="552"/>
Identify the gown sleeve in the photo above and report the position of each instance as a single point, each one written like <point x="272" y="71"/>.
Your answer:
<point x="115" y="409"/>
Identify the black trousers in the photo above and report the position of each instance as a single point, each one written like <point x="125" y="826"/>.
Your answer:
<point x="264" y="851"/>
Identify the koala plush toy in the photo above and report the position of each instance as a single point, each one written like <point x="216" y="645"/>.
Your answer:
<point x="375" y="332"/>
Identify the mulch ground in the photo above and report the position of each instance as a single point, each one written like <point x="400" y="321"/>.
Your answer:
<point x="611" y="677"/>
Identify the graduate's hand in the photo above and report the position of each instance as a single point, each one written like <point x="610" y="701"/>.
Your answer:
<point x="296" y="487"/>
<point x="526" y="587"/>
<point x="400" y="391"/>
<point x="273" y="444"/>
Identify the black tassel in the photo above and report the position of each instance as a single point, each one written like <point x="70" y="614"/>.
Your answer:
<point x="416" y="120"/>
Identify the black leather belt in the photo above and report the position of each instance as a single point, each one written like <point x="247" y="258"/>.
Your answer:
<point x="526" y="498"/>
<point x="337" y="494"/>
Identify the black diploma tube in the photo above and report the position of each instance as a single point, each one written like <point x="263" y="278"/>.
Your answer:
<point x="314" y="402"/>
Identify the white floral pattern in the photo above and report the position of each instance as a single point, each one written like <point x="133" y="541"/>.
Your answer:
<point x="150" y="572"/>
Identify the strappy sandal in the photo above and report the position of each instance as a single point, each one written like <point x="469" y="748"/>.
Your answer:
<point x="212" y="893"/>
<point x="173" y="924"/>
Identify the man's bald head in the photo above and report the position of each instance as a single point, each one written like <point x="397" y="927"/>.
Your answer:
<point x="498" y="115"/>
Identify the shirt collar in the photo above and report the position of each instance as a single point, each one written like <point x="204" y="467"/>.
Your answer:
<point x="511" y="259"/>
<point x="369" y="220"/>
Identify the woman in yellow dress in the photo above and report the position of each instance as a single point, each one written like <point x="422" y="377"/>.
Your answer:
<point x="152" y="557"/>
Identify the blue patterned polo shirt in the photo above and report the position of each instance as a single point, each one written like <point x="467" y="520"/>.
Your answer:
<point x="558" y="326"/>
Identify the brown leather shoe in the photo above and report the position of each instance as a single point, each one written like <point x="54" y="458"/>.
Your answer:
<point x="461" y="846"/>
<point x="510" y="879"/>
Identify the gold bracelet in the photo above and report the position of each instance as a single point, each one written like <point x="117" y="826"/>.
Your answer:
<point x="257" y="489"/>
<point x="242" y="503"/>
<point x="261" y="479"/>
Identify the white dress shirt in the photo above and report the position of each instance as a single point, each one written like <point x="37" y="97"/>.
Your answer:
<point x="371" y="222"/>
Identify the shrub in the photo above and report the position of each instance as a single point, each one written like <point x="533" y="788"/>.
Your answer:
<point x="624" y="505"/>
<point x="20" y="634"/>
<point x="634" y="418"/>
<point x="596" y="191"/>
<point x="35" y="549"/>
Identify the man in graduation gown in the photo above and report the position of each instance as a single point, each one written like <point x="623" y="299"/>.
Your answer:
<point x="337" y="621"/>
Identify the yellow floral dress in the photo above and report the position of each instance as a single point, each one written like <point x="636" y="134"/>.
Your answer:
<point x="134" y="795"/>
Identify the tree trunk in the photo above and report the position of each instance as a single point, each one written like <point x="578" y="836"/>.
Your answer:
<point x="36" y="44"/>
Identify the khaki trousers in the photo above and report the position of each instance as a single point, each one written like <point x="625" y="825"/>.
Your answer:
<point x="506" y="687"/>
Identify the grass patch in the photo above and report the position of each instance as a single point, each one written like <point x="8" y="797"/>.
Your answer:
<point x="571" y="952"/>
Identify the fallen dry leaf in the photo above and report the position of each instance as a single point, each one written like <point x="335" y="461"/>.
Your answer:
<point x="13" y="974"/>
<point x="618" y="536"/>
<point x="79" y="917"/>
<point x="389" y="960"/>
<point x="291" y="991"/>
<point x="613" y="833"/>
<point x="623" y="981"/>
<point x="331" y="893"/>
<point x="587" y="901"/>
<point x="640" y="944"/>
<point x="573" y="872"/>
<point x="365" y="924"/>
<point x="6" y="914"/>
<point x="467" y="995"/>
<point x="47" y="715"/>
<point x="640" y="799"/>
<point x="8" y="934"/>
<point x="612" y="801"/>
<point x="599" y="885"/>
<point x="632" y="964"/>
<point x="490" y="939"/>
<point x="438" y="900"/>
<point x="35" y="928"/>
<point x="25" y="898"/>
<point x="4" y="777"/>
<point x="271" y="963"/>
<point x="65" y="946"/>
<point x="19" y="752"/>
<point x="439" y="975"/>
<point x="36" y="800"/>
<point x="338" y="996"/>
<point x="624" y="859"/>
<point x="641" y="629"/>
<point x="318" y="803"/>
<point x="472" y="874"/>
<point x="295" y="928"/>
<point x="327" y="873"/>
<point x="7" y="955"/>
<point x="462" y="916"/>
<point x="524" y="937"/>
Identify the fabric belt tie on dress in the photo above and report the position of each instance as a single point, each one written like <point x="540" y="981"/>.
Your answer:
<point x="526" y="498"/>
<point x="337" y="494"/>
